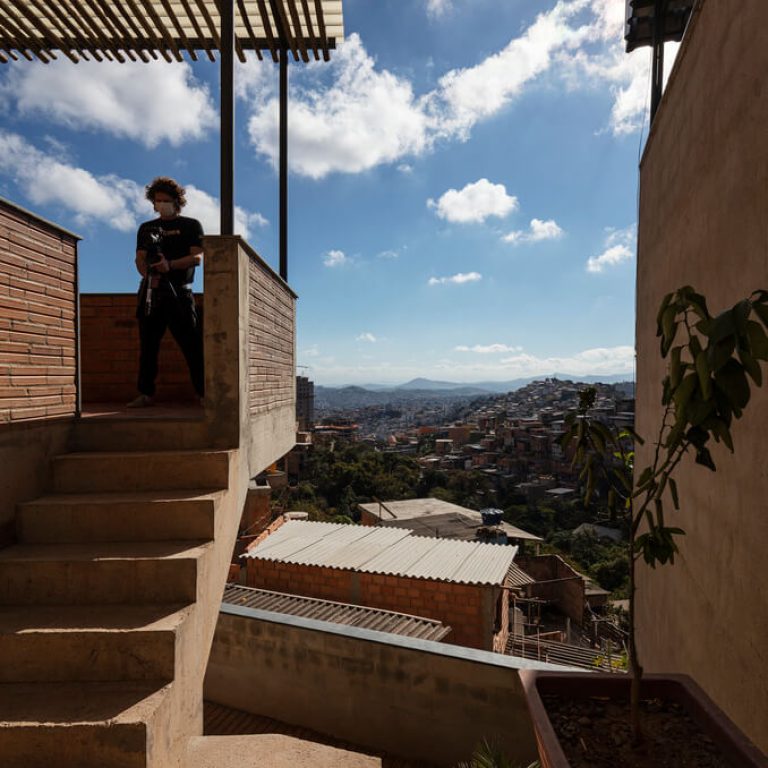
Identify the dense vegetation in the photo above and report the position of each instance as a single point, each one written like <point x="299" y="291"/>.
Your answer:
<point x="335" y="481"/>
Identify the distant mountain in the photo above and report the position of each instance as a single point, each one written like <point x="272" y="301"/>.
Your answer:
<point x="428" y="390"/>
<point x="490" y="387"/>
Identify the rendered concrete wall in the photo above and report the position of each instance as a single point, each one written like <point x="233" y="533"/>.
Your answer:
<point x="241" y="408"/>
<point x="704" y="222"/>
<point x="411" y="698"/>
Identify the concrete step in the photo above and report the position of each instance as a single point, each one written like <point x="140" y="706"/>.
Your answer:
<point x="90" y="642"/>
<point x="142" y="430"/>
<point x="79" y="725"/>
<point x="139" y="516"/>
<point x="140" y="471"/>
<point x="273" y="751"/>
<point x="106" y="573"/>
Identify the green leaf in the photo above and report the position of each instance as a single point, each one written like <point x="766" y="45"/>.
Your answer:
<point x="675" y="372"/>
<point x="758" y="341"/>
<point x="703" y="371"/>
<point x="723" y="325"/>
<point x="751" y="366"/>
<point x="704" y="457"/>
<point x="673" y="491"/>
<point x="761" y="310"/>
<point x="662" y="308"/>
<point x="733" y="382"/>
<point x="720" y="353"/>
<point x="683" y="393"/>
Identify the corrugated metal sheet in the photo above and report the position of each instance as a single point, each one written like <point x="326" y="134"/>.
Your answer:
<point x="517" y="577"/>
<point x="393" y="551"/>
<point x="339" y="613"/>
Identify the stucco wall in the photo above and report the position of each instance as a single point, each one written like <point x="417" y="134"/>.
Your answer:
<point x="468" y="609"/>
<point x="411" y="698"/>
<point x="704" y="221"/>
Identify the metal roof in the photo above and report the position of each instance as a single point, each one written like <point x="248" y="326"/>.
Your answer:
<point x="339" y="613"/>
<point x="437" y="517"/>
<point x="391" y="551"/>
<point x="120" y="29"/>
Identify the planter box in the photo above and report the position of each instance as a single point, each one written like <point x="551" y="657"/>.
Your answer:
<point x="679" y="688"/>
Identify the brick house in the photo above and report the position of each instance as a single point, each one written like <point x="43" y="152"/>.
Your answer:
<point x="462" y="584"/>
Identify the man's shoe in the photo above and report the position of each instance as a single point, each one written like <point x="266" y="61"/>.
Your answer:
<point x="142" y="401"/>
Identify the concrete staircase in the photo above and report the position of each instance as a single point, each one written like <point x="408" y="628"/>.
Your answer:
<point x="107" y="608"/>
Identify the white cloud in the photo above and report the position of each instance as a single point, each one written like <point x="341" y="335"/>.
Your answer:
<point x="539" y="230"/>
<point x="596" y="361"/>
<point x="368" y="115"/>
<point x="466" y="96"/>
<point x="600" y="360"/>
<point x="116" y="202"/>
<point x="619" y="246"/>
<point x="488" y="349"/>
<point x="369" y="337"/>
<point x="148" y="103"/>
<point x="365" y="118"/>
<point x="205" y="207"/>
<point x="438" y="7"/>
<point x="335" y="258"/>
<point x="388" y="254"/>
<point x="474" y="203"/>
<point x="457" y="279"/>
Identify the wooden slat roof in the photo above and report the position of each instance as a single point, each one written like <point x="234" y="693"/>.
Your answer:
<point x="121" y="30"/>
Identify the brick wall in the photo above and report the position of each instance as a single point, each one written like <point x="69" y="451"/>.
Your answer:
<point x="38" y="295"/>
<point x="271" y="358"/>
<point x="109" y="353"/>
<point x="466" y="608"/>
<point x="556" y="581"/>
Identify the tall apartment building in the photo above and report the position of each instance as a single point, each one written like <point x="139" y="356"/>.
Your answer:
<point x="305" y="403"/>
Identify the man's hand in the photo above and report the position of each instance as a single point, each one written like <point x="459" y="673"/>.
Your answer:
<point x="162" y="266"/>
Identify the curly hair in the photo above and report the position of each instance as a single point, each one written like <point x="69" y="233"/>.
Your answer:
<point x="170" y="187"/>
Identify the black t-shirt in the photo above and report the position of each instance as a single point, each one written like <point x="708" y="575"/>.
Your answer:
<point x="178" y="236"/>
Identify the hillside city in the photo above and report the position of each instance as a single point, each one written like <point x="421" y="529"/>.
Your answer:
<point x="488" y="469"/>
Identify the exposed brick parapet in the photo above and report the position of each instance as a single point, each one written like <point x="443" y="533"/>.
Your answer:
<point x="38" y="309"/>
<point x="271" y="353"/>
<point x="110" y="352"/>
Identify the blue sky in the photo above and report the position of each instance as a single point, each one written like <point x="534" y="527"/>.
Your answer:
<point x="463" y="187"/>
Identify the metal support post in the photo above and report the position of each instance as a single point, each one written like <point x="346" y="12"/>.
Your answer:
<point x="284" y="163"/>
<point x="227" y="117"/>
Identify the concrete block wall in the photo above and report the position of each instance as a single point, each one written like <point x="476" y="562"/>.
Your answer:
<point x="109" y="351"/>
<point x="468" y="609"/>
<point x="271" y="341"/>
<point x="38" y="305"/>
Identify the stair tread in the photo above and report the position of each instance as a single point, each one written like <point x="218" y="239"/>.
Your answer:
<point x="118" y="497"/>
<point x="96" y="618"/>
<point x="92" y="551"/>
<point x="74" y="703"/>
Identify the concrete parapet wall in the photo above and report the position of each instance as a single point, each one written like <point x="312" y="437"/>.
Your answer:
<point x="38" y="317"/>
<point x="411" y="698"/>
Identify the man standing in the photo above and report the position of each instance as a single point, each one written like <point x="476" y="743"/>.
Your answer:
<point x="167" y="251"/>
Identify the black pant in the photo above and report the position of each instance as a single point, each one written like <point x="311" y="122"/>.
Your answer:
<point x="178" y="313"/>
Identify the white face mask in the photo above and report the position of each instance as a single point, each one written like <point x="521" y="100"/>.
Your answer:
<point x="165" y="209"/>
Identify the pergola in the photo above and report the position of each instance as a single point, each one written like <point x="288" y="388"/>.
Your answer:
<point x="145" y="30"/>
